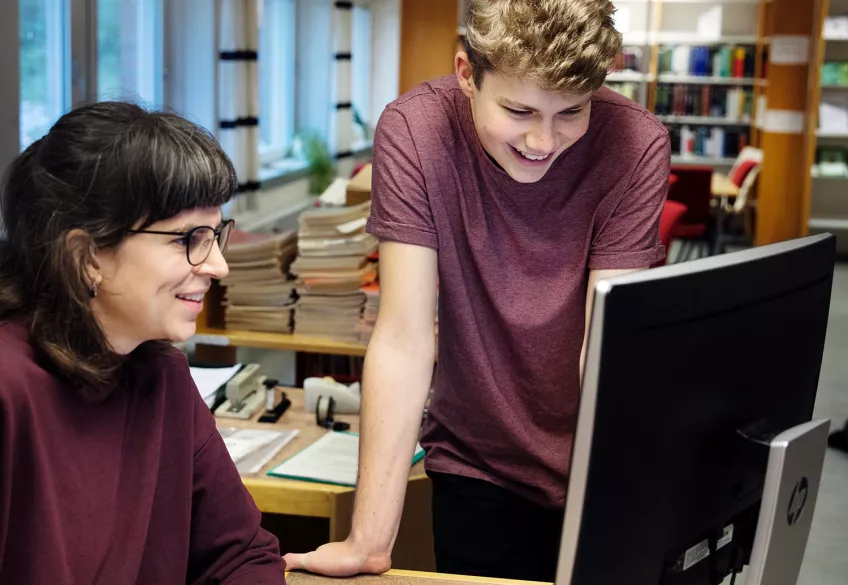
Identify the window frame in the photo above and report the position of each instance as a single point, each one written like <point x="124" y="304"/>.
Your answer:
<point x="280" y="117"/>
<point x="360" y="90"/>
<point x="73" y="71"/>
<point x="148" y="28"/>
<point x="58" y="56"/>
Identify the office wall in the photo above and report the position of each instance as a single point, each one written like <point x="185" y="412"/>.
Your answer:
<point x="428" y="33"/>
<point x="9" y="92"/>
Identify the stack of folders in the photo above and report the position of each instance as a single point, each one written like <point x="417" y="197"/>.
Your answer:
<point x="365" y="326"/>
<point x="259" y="289"/>
<point x="331" y="268"/>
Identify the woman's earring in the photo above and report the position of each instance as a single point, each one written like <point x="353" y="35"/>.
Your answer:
<point x="92" y="292"/>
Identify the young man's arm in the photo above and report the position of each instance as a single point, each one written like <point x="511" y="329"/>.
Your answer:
<point x="596" y="276"/>
<point x="398" y="371"/>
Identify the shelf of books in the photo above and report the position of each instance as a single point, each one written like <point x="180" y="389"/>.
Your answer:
<point x="698" y="65"/>
<point x="828" y="190"/>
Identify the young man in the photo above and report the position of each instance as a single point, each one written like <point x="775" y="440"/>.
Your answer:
<point x="518" y="183"/>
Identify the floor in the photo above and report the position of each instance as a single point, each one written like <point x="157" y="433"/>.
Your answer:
<point x="826" y="560"/>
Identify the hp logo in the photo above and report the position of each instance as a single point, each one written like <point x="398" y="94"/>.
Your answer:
<point x="797" y="501"/>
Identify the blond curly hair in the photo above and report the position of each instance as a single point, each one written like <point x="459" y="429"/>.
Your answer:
<point x="564" y="45"/>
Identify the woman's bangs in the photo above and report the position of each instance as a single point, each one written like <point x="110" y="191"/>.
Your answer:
<point x="185" y="172"/>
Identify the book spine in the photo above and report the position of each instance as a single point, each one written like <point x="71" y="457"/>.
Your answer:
<point x="739" y="62"/>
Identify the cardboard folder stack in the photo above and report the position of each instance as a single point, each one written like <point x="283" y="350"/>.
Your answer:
<point x="331" y="267"/>
<point x="259" y="289"/>
<point x="365" y="325"/>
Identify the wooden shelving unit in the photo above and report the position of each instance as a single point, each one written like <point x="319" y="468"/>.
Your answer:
<point x="652" y="24"/>
<point x="825" y="198"/>
<point x="280" y="341"/>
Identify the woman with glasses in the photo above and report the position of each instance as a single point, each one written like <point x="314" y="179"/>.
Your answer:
<point x="111" y="468"/>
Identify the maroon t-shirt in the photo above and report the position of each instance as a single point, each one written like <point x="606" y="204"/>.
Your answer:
<point x="514" y="261"/>
<point x="137" y="489"/>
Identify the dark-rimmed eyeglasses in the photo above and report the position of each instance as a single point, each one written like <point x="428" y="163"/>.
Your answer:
<point x="198" y="240"/>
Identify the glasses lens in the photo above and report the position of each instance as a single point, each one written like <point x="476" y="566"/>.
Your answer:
<point x="224" y="238"/>
<point x="200" y="245"/>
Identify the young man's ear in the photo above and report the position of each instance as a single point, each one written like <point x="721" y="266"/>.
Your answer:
<point x="464" y="74"/>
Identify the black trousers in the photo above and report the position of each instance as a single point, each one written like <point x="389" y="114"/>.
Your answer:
<point x="484" y="530"/>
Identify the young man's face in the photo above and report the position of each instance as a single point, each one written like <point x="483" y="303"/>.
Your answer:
<point x="522" y="127"/>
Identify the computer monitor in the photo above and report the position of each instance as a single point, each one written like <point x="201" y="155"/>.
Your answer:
<point x="692" y="370"/>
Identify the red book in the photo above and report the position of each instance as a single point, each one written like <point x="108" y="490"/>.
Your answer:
<point x="739" y="62"/>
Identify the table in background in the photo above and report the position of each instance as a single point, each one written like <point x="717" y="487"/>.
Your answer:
<point x="723" y="190"/>
<point x="274" y="495"/>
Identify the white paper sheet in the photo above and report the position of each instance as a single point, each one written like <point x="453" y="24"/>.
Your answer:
<point x="790" y="50"/>
<point x="208" y="380"/>
<point x="336" y="193"/>
<point x="251" y="449"/>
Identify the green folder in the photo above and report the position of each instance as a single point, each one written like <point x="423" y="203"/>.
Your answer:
<point x="331" y="459"/>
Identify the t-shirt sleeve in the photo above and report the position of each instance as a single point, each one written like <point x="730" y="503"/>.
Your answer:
<point x="227" y="543"/>
<point x="630" y="237"/>
<point x="400" y="208"/>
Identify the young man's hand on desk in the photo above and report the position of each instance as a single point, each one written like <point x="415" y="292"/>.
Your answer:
<point x="338" y="559"/>
<point x="398" y="369"/>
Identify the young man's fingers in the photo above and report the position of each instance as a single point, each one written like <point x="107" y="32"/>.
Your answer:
<point x="296" y="562"/>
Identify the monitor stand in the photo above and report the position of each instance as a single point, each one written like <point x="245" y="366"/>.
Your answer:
<point x="793" y="474"/>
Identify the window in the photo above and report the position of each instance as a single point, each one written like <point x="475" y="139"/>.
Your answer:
<point x="361" y="70"/>
<point x="276" y="79"/>
<point x="129" y="51"/>
<point x="44" y="58"/>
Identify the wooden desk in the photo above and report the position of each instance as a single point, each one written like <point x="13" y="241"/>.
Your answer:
<point x="398" y="578"/>
<point x="273" y="495"/>
<point x="722" y="186"/>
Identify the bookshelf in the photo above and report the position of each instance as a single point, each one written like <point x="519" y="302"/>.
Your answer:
<point x="698" y="65"/>
<point x="702" y="161"/>
<point x="826" y="195"/>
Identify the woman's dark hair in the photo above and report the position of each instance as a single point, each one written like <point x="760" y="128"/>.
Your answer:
<point x="102" y="169"/>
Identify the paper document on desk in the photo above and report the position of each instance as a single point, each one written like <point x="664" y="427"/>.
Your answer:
<point x="331" y="459"/>
<point x="251" y="449"/>
<point x="208" y="380"/>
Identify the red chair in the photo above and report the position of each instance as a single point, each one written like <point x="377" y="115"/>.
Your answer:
<point x="671" y="214"/>
<point x="693" y="188"/>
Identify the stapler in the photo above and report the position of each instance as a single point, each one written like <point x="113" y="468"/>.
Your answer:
<point x="245" y="394"/>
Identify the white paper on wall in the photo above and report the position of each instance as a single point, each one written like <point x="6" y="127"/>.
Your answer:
<point x="790" y="50"/>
